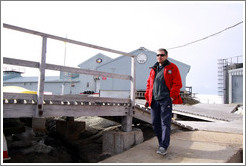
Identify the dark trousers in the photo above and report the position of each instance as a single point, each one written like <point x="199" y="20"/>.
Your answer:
<point x="161" y="115"/>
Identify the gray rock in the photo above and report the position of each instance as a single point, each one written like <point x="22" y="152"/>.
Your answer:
<point x="40" y="147"/>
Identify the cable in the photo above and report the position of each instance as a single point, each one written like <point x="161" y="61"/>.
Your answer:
<point x="206" y="36"/>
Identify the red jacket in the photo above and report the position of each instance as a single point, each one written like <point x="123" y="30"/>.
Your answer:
<point x="173" y="82"/>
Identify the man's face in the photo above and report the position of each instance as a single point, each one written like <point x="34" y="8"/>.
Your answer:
<point x="161" y="59"/>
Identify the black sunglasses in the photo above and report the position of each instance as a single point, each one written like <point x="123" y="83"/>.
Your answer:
<point x="161" y="55"/>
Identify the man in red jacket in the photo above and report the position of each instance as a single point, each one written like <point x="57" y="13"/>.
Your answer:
<point x="163" y="90"/>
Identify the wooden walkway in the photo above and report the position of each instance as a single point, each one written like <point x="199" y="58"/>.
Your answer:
<point x="24" y="105"/>
<point x="19" y="105"/>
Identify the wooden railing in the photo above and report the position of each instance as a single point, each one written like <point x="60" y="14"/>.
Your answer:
<point x="32" y="64"/>
<point x="39" y="105"/>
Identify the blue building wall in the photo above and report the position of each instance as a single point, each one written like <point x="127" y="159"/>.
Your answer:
<point x="122" y="65"/>
<point x="10" y="74"/>
<point x="88" y="82"/>
<point x="73" y="83"/>
<point x="78" y="83"/>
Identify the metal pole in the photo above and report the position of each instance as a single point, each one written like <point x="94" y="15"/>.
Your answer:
<point x="230" y="88"/>
<point x="40" y="95"/>
<point x="225" y="82"/>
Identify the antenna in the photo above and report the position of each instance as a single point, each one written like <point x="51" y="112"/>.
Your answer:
<point x="64" y="63"/>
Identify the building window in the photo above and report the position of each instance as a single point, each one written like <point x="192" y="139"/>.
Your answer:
<point x="87" y="85"/>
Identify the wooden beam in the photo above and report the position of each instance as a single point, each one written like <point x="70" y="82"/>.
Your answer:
<point x="19" y="96"/>
<point x="26" y="110"/>
<point x="195" y="116"/>
<point x="127" y="120"/>
<point x="64" y="39"/>
<point x="64" y="98"/>
<point x="142" y="115"/>
<point x="18" y="62"/>
<point x="133" y="81"/>
<point x="40" y="94"/>
<point x="18" y="110"/>
<point x="25" y="63"/>
<point x="83" y="98"/>
<point x="86" y="71"/>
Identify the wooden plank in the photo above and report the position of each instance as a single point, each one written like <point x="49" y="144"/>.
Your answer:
<point x="65" y="39"/>
<point x="64" y="98"/>
<point x="83" y="98"/>
<point x="77" y="111"/>
<point x="18" y="110"/>
<point x="177" y="123"/>
<point x="214" y="111"/>
<point x="40" y="94"/>
<point x="19" y="96"/>
<point x="87" y="72"/>
<point x="230" y="127"/>
<point x="25" y="63"/>
<point x="26" y="110"/>
<point x="133" y="80"/>
<point x="195" y="116"/>
<point x="127" y="120"/>
<point x="19" y="62"/>
<point x="142" y="115"/>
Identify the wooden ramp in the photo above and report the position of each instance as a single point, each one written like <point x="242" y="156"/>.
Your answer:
<point x="142" y="114"/>
<point x="214" y="117"/>
<point x="210" y="112"/>
<point x="227" y="127"/>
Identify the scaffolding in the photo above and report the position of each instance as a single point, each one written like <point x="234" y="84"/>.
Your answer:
<point x="222" y="77"/>
<point x="223" y="66"/>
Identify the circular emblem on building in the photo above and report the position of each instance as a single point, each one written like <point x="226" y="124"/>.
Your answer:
<point x="99" y="60"/>
<point x="141" y="58"/>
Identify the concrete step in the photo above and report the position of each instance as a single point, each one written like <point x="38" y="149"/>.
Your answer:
<point x="186" y="147"/>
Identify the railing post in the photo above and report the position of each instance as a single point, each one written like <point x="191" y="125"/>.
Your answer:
<point x="40" y="94"/>
<point x="127" y="120"/>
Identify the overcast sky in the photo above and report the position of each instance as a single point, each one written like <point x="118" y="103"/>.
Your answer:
<point x="126" y="26"/>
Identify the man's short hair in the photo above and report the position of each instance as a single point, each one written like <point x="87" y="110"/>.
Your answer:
<point x="162" y="49"/>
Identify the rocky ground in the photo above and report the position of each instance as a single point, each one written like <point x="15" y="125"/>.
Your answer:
<point x="188" y="100"/>
<point x="27" y="146"/>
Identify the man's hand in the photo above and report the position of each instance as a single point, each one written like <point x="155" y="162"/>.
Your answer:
<point x="146" y="104"/>
<point x="172" y="99"/>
